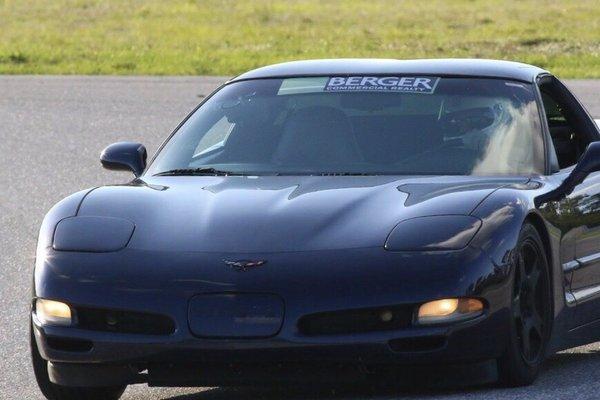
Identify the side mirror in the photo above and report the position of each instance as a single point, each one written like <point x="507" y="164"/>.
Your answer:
<point x="125" y="156"/>
<point x="588" y="163"/>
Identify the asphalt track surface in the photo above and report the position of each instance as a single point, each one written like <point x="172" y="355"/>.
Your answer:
<point x="52" y="130"/>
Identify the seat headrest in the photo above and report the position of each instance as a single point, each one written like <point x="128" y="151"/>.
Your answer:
<point x="317" y="134"/>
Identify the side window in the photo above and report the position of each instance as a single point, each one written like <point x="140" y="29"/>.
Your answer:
<point x="567" y="141"/>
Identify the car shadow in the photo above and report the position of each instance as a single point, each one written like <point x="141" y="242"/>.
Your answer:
<point x="564" y="372"/>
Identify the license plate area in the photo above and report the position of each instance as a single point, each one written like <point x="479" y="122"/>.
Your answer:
<point x="235" y="315"/>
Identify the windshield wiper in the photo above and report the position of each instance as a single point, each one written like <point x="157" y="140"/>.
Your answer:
<point x="347" y="173"/>
<point x="196" y="171"/>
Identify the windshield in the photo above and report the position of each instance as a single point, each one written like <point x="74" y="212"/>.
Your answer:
<point x="363" y="125"/>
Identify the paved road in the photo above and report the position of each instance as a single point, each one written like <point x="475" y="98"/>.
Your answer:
<point x="51" y="132"/>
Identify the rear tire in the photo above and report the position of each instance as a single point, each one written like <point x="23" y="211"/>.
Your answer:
<point x="56" y="392"/>
<point x="531" y="311"/>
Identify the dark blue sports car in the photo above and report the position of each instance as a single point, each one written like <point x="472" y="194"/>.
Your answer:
<point x="331" y="220"/>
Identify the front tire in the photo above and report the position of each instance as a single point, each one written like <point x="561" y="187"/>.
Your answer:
<point x="531" y="311"/>
<point x="56" y="392"/>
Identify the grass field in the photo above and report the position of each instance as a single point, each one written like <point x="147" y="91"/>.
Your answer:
<point x="226" y="37"/>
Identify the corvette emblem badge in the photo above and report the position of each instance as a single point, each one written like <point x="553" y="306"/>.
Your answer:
<point x="244" y="265"/>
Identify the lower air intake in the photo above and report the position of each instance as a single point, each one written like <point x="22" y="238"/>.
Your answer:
<point x="120" y="321"/>
<point x="356" y="321"/>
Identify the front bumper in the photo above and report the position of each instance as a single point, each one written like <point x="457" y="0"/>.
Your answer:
<point x="309" y="282"/>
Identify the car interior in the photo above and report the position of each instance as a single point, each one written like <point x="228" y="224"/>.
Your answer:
<point x="317" y="135"/>
<point x="314" y="130"/>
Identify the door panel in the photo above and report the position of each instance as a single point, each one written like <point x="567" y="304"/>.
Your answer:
<point x="584" y="205"/>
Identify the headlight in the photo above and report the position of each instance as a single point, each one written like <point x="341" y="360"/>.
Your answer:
<point x="449" y="310"/>
<point x="92" y="234"/>
<point x="435" y="233"/>
<point x="50" y="312"/>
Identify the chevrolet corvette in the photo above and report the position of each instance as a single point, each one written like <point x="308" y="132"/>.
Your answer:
<point x="331" y="220"/>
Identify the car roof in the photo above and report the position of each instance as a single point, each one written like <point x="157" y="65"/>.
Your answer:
<point x="363" y="66"/>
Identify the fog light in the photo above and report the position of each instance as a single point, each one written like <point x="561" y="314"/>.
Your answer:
<point x="449" y="310"/>
<point x="386" y="316"/>
<point x="50" y="312"/>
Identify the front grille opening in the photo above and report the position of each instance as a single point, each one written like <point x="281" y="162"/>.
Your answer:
<point x="68" y="344"/>
<point x="417" y="344"/>
<point x="120" y="321"/>
<point x="356" y="321"/>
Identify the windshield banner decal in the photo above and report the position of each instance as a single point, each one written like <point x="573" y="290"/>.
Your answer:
<point x="407" y="84"/>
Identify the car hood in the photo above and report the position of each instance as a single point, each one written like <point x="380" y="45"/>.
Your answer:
<point x="280" y="213"/>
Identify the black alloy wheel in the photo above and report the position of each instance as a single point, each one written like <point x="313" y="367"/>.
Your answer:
<point x="530" y="304"/>
<point x="531" y="311"/>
